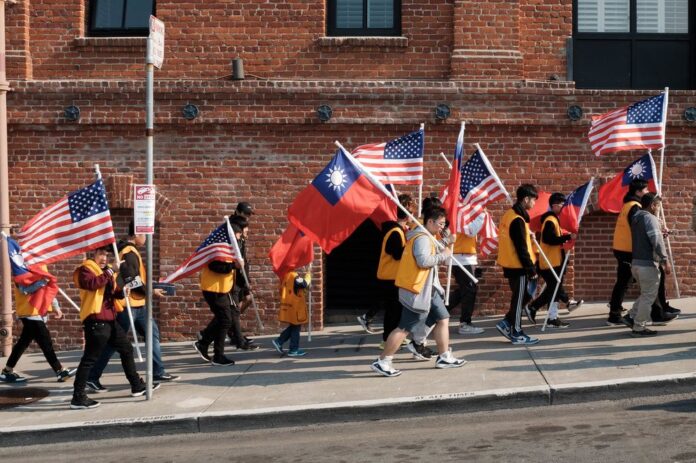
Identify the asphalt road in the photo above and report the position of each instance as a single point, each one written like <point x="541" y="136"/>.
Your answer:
<point x="661" y="429"/>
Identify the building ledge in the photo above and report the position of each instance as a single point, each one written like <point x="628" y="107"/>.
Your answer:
<point x="125" y="42"/>
<point x="362" y="42"/>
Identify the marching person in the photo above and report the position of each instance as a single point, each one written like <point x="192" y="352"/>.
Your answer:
<point x="241" y="292"/>
<point x="293" y="311"/>
<point x="132" y="272"/>
<point x="649" y="253"/>
<point x="517" y="258"/>
<point x="216" y="283"/>
<point x="34" y="328"/>
<point x="421" y="295"/>
<point x="552" y="240"/>
<point x="97" y="284"/>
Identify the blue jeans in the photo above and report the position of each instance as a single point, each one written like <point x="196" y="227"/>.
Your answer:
<point x="292" y="332"/>
<point x="140" y="322"/>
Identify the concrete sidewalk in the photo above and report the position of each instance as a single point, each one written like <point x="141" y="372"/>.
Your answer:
<point x="588" y="361"/>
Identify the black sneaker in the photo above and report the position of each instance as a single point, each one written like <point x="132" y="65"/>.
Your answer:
<point x="80" y="403"/>
<point x="248" y="346"/>
<point x="222" y="361"/>
<point x="627" y="320"/>
<point x="165" y="378"/>
<point x="531" y="314"/>
<point x="557" y="323"/>
<point x="643" y="333"/>
<point x="202" y="350"/>
<point x="249" y="340"/>
<point x="65" y="373"/>
<point x="419" y="351"/>
<point x="96" y="386"/>
<point x="615" y="320"/>
<point x="670" y="309"/>
<point x="365" y="323"/>
<point x="141" y="389"/>
<point x="664" y="319"/>
<point x="11" y="377"/>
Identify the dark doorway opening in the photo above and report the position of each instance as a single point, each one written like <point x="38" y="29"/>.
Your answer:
<point x="351" y="270"/>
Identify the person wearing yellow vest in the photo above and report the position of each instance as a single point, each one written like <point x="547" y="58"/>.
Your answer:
<point x="465" y="252"/>
<point x="517" y="258"/>
<point x="552" y="240"/>
<point x="98" y="308"/>
<point x="293" y="311"/>
<point x="34" y="329"/>
<point x="421" y="295"/>
<point x="217" y="283"/>
<point x="393" y="242"/>
<point x="132" y="272"/>
<point x="622" y="248"/>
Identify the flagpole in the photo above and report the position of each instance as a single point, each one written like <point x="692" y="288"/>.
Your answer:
<point x="238" y="253"/>
<point x="67" y="298"/>
<point x="567" y="257"/>
<point x="382" y="188"/>
<point x="454" y="235"/>
<point x="420" y="186"/>
<point x="117" y="260"/>
<point x="664" y="131"/>
<point x="449" y="164"/>
<point x="309" y="295"/>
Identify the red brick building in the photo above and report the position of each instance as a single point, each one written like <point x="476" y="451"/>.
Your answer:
<point x="382" y="66"/>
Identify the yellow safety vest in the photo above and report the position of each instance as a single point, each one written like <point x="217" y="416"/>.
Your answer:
<point x="410" y="276"/>
<point x="136" y="300"/>
<point x="91" y="301"/>
<point x="293" y="307"/>
<point x="507" y="255"/>
<point x="388" y="266"/>
<point x="622" y="232"/>
<point x="216" y="282"/>
<point x="552" y="251"/>
<point x="23" y="304"/>
<point x="465" y="244"/>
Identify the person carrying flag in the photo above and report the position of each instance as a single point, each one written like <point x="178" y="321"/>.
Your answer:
<point x="241" y="293"/>
<point x="98" y="308"/>
<point x="293" y="311"/>
<point x="517" y="258"/>
<point x="552" y="240"/>
<point x="421" y="295"/>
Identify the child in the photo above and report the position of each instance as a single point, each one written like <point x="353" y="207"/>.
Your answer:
<point x="293" y="310"/>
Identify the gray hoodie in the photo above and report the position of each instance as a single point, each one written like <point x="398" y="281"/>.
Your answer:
<point x="422" y="252"/>
<point x="646" y="235"/>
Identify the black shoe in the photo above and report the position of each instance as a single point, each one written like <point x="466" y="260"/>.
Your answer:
<point x="222" y="361"/>
<point x="202" y="350"/>
<point x="643" y="333"/>
<point x="96" y="386"/>
<point x="615" y="319"/>
<point x="249" y="340"/>
<point x="80" y="403"/>
<point x="248" y="346"/>
<point x="531" y="314"/>
<point x="670" y="309"/>
<point x="65" y="373"/>
<point x="665" y="318"/>
<point x="141" y="389"/>
<point x="165" y="378"/>
<point x="627" y="320"/>
<point x="557" y="323"/>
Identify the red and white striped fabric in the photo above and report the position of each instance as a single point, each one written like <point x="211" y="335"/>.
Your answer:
<point x="396" y="162"/>
<point x="79" y="222"/>
<point x="488" y="235"/>
<point x="638" y="126"/>
<point x="217" y="246"/>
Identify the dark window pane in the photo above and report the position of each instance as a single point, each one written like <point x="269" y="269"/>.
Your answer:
<point x="349" y="14"/>
<point x="380" y="14"/>
<point x="108" y="14"/>
<point x="138" y="14"/>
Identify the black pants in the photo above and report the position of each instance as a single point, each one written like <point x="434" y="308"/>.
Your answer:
<point x="518" y="285"/>
<point x="235" y="331"/>
<point x="97" y="336"/>
<point x="546" y="295"/>
<point x="216" y="330"/>
<point x="623" y="279"/>
<point x="466" y="293"/>
<point x="388" y="300"/>
<point x="34" y="330"/>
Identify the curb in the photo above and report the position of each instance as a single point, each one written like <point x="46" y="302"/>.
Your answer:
<point x="390" y="408"/>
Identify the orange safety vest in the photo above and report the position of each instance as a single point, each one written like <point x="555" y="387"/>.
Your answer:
<point x="388" y="266"/>
<point x="622" y="232"/>
<point x="507" y="255"/>
<point x="23" y="302"/>
<point x="136" y="300"/>
<point x="465" y="244"/>
<point x="293" y="307"/>
<point x="91" y="301"/>
<point x="552" y="251"/>
<point x="216" y="282"/>
<point x="410" y="276"/>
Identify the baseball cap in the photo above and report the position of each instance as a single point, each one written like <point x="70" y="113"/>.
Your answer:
<point x="245" y="208"/>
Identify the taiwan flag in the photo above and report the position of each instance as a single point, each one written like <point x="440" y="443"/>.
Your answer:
<point x="574" y="207"/>
<point x="612" y="193"/>
<point x="450" y="195"/>
<point x="292" y="250"/>
<point x="337" y="201"/>
<point x="34" y="281"/>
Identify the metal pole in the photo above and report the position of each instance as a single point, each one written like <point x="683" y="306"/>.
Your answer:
<point x="6" y="314"/>
<point x="150" y="180"/>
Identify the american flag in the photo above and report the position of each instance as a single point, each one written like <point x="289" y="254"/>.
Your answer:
<point x="479" y="186"/>
<point x="217" y="246"/>
<point x="641" y="125"/>
<point x="399" y="161"/>
<point x="488" y="235"/>
<point x="77" y="223"/>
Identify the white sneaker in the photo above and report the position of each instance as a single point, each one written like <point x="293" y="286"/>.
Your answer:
<point x="468" y="328"/>
<point x="574" y="305"/>
<point x="384" y="368"/>
<point x="447" y="360"/>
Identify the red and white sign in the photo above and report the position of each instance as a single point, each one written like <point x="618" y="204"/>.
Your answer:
<point x="144" y="200"/>
<point x="156" y="55"/>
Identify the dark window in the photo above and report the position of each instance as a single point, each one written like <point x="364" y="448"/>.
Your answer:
<point x="120" y="17"/>
<point x="640" y="44"/>
<point x="364" y="18"/>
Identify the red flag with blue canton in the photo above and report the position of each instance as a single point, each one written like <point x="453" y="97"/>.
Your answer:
<point x="450" y="196"/>
<point x="292" y="250"/>
<point x="573" y="210"/>
<point x="337" y="201"/>
<point x="217" y="246"/>
<point x="541" y="207"/>
<point x="35" y="281"/>
<point x="612" y="193"/>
